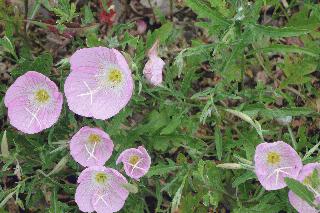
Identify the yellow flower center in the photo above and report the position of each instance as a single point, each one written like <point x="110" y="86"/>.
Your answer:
<point x="101" y="177"/>
<point x="115" y="76"/>
<point x="94" y="138"/>
<point x="134" y="159"/>
<point x="42" y="96"/>
<point x="273" y="158"/>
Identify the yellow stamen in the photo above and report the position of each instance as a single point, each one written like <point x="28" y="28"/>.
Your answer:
<point x="101" y="177"/>
<point x="42" y="96"/>
<point x="273" y="158"/>
<point x="94" y="138"/>
<point x="115" y="76"/>
<point x="134" y="159"/>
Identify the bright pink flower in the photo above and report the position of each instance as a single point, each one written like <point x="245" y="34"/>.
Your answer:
<point x="91" y="147"/>
<point x="154" y="66"/>
<point x="100" y="83"/>
<point x="274" y="162"/>
<point x="136" y="162"/>
<point x="34" y="103"/>
<point x="101" y="189"/>
<point x="304" y="177"/>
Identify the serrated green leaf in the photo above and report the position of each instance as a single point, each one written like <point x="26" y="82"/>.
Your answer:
<point x="300" y="190"/>
<point x="204" y="11"/>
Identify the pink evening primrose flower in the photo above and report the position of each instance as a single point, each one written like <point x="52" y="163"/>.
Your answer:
<point x="91" y="147"/>
<point x="136" y="162"/>
<point x="34" y="103"/>
<point x="101" y="189"/>
<point x="274" y="162"/>
<point x="154" y="66"/>
<point x="305" y="177"/>
<point x="99" y="84"/>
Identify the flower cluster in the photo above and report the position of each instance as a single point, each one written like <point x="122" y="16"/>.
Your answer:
<point x="275" y="161"/>
<point x="99" y="85"/>
<point x="100" y="188"/>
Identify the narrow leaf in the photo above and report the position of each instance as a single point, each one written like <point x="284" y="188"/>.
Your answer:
<point x="4" y="145"/>
<point x="218" y="140"/>
<point x="300" y="190"/>
<point x="177" y="196"/>
<point x="276" y="32"/>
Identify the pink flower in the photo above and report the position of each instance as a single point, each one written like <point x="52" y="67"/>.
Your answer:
<point x="136" y="162"/>
<point x="304" y="177"/>
<point x="101" y="189"/>
<point x="274" y="162"/>
<point x="91" y="147"/>
<point x="141" y="26"/>
<point x="34" y="103"/>
<point x="100" y="83"/>
<point x="154" y="66"/>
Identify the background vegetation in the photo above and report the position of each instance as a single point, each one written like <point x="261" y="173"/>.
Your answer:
<point x="259" y="58"/>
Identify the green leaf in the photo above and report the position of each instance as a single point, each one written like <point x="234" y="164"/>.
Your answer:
<point x="218" y="141"/>
<point x="276" y="32"/>
<point x="172" y="126"/>
<point x="88" y="15"/>
<point x="177" y="197"/>
<point x="205" y="11"/>
<point x="60" y="165"/>
<point x="6" y="43"/>
<point x="300" y="190"/>
<point x="297" y="70"/>
<point x="42" y="64"/>
<point x="246" y="118"/>
<point x="243" y="178"/>
<point x="162" y="169"/>
<point x="4" y="145"/>
<point x="281" y="48"/>
<point x="162" y="34"/>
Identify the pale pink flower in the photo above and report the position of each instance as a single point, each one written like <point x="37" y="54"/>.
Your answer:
<point x="154" y="66"/>
<point x="274" y="162"/>
<point x="34" y="103"/>
<point x="141" y="26"/>
<point x="91" y="147"/>
<point x="136" y="162"/>
<point x="101" y="189"/>
<point x="304" y="177"/>
<point x="99" y="84"/>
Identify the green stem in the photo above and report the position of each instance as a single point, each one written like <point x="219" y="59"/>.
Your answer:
<point x="293" y="138"/>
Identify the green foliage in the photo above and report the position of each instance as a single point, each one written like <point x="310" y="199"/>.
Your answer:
<point x="65" y="10"/>
<point x="41" y="64"/>
<point x="301" y="190"/>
